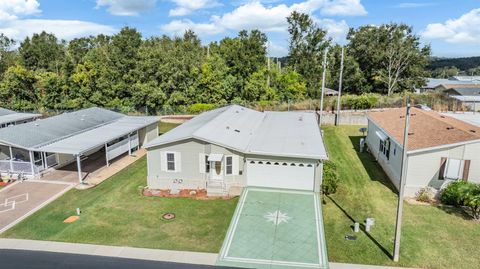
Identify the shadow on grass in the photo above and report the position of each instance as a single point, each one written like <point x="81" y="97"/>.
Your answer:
<point x="455" y="211"/>
<point x="374" y="170"/>
<point x="362" y="228"/>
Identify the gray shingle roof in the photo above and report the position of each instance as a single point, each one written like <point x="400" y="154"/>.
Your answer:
<point x="70" y="132"/>
<point x="290" y="134"/>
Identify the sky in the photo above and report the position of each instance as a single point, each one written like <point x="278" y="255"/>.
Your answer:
<point x="452" y="28"/>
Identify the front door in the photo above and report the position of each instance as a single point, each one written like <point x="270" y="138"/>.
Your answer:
<point x="216" y="171"/>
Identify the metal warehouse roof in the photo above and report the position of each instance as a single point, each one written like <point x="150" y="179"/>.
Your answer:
<point x="289" y="134"/>
<point x="96" y="137"/>
<point x="74" y="127"/>
<point x="8" y="116"/>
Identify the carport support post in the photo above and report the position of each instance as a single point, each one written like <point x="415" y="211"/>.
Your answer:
<point x="106" y="154"/>
<point x="11" y="158"/>
<point x="79" y="169"/>
<point x="129" y="145"/>
<point x="31" y="162"/>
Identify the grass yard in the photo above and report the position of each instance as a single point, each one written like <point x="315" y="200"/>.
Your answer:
<point x="432" y="237"/>
<point x="115" y="213"/>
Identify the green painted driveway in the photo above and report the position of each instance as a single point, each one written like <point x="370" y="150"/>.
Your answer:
<point x="275" y="229"/>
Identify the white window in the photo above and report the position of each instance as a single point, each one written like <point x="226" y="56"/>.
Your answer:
<point x="453" y="169"/>
<point x="229" y="165"/>
<point x="170" y="161"/>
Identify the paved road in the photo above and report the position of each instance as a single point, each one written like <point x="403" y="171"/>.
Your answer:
<point x="25" y="259"/>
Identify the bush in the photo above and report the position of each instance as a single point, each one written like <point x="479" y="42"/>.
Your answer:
<point x="461" y="193"/>
<point x="199" y="108"/>
<point x="330" y="178"/>
<point x="424" y="195"/>
<point x="364" y="101"/>
<point x="451" y="195"/>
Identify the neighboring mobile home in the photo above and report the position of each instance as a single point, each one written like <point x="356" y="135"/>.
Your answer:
<point x="10" y="118"/>
<point x="228" y="148"/>
<point x="35" y="147"/>
<point x="441" y="149"/>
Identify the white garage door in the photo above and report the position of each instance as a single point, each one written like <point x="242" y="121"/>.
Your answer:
<point x="284" y="175"/>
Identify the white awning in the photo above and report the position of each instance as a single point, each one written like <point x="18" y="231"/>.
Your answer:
<point x="381" y="135"/>
<point x="215" y="157"/>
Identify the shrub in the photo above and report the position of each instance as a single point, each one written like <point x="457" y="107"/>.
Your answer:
<point x="461" y="193"/>
<point x="330" y="178"/>
<point x="199" y="108"/>
<point x="424" y="195"/>
<point x="364" y="101"/>
<point x="451" y="195"/>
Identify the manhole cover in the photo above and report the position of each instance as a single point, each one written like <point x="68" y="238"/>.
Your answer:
<point x="168" y="216"/>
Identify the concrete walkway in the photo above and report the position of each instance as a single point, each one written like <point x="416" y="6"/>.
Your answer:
<point x="111" y="251"/>
<point x="139" y="253"/>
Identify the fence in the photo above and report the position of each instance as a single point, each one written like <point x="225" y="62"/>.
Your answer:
<point x="17" y="167"/>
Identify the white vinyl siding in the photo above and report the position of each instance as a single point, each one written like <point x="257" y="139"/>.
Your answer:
<point x="170" y="161"/>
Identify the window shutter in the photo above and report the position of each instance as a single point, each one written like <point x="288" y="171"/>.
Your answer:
<point x="443" y="164"/>
<point x="201" y="163"/>
<point x="178" y="162"/>
<point x="466" y="170"/>
<point x="163" y="161"/>
<point x="235" y="161"/>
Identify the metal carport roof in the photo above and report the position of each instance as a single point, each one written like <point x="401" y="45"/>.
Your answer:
<point x="85" y="141"/>
<point x="9" y="116"/>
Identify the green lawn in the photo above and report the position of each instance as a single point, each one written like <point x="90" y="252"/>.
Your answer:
<point x="432" y="237"/>
<point x="115" y="213"/>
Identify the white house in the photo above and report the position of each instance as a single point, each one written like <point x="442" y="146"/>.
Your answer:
<point x="228" y="148"/>
<point x="10" y="118"/>
<point x="440" y="148"/>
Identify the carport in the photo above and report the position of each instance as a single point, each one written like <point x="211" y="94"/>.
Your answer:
<point x="116" y="138"/>
<point x="35" y="147"/>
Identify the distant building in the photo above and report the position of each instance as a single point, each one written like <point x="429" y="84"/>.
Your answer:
<point x="330" y="92"/>
<point x="468" y="95"/>
<point x="9" y="117"/>
<point x="433" y="84"/>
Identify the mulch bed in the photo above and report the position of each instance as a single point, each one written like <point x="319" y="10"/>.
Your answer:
<point x="199" y="194"/>
<point x="3" y="184"/>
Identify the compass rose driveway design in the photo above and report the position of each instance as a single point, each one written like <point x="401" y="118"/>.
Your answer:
<point x="275" y="229"/>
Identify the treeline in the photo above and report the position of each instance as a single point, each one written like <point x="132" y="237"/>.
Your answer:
<point x="448" y="67"/>
<point x="129" y="73"/>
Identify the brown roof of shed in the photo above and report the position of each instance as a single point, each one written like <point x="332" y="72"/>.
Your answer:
<point x="427" y="128"/>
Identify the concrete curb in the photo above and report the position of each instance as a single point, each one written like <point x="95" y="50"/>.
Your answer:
<point x="111" y="251"/>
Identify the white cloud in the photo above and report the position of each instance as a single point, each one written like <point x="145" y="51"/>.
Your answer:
<point x="126" y="7"/>
<point x="255" y="15"/>
<point x="178" y="27"/>
<point x="185" y="7"/>
<point x="276" y="50"/>
<point x="413" y="5"/>
<point x="343" y="8"/>
<point x="465" y="29"/>
<point x="63" y="29"/>
<point x="12" y="9"/>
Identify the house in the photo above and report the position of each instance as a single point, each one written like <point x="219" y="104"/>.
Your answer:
<point x="9" y="117"/>
<point x="468" y="95"/>
<point x="433" y="83"/>
<point x="469" y="117"/>
<point x="223" y="150"/>
<point x="441" y="149"/>
<point x="330" y="92"/>
<point x="39" y="146"/>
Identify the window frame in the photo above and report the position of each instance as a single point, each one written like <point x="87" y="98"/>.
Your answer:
<point x="172" y="162"/>
<point x="228" y="166"/>
<point x="207" y="164"/>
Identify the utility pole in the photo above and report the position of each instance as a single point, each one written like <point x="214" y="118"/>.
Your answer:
<point x="268" y="68"/>
<point x="208" y="51"/>
<point x="403" y="177"/>
<point x="337" y="120"/>
<point x="323" y="84"/>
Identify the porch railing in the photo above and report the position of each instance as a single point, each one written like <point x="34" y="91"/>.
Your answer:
<point x="17" y="167"/>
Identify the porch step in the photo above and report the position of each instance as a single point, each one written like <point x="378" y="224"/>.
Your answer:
<point x="216" y="188"/>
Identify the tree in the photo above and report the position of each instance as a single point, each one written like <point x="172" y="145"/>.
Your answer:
<point x="42" y="52"/>
<point x="290" y="85"/>
<point x="307" y="45"/>
<point x="7" y="55"/>
<point x="390" y="56"/>
<point x="353" y="78"/>
<point x="17" y="89"/>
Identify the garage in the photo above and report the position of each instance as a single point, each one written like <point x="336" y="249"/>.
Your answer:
<point x="281" y="174"/>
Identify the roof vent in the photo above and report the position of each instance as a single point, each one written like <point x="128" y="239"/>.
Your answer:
<point x="36" y="124"/>
<point x="450" y="128"/>
<point x="443" y="117"/>
<point x="300" y="118"/>
<point x="237" y="111"/>
<point x="473" y="131"/>
<point x="228" y="127"/>
<point x="236" y="130"/>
